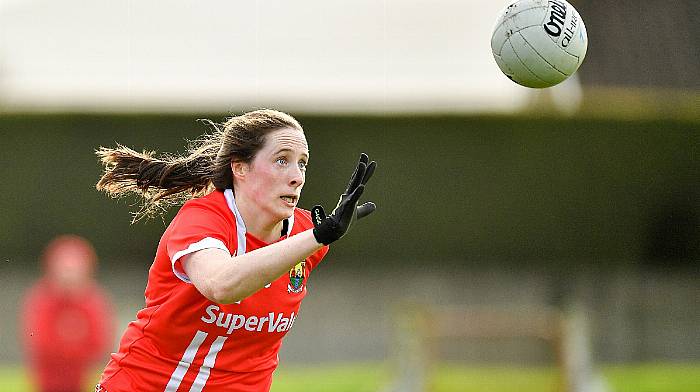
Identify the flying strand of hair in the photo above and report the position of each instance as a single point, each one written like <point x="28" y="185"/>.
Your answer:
<point x="159" y="181"/>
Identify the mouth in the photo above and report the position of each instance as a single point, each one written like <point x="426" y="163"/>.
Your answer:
<point x="291" y="200"/>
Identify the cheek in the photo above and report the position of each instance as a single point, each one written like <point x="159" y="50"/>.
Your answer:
<point x="266" y="181"/>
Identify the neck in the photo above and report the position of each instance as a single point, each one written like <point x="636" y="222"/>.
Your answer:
<point x="257" y="223"/>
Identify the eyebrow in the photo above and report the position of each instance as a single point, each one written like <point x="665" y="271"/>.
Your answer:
<point x="289" y="150"/>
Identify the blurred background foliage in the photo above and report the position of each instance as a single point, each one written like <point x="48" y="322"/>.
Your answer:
<point x="463" y="190"/>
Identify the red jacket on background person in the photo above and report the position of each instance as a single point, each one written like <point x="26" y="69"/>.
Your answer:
<point x="67" y="320"/>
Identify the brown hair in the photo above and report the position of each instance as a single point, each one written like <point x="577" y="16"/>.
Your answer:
<point x="170" y="179"/>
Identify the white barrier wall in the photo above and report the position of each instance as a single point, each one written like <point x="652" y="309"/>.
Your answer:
<point x="314" y="55"/>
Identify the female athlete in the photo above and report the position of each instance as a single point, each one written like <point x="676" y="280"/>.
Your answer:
<point x="230" y="270"/>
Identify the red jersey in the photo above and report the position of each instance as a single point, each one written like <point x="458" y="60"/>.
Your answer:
<point x="65" y="333"/>
<point x="181" y="341"/>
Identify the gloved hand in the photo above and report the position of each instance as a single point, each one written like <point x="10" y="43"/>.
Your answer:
<point x="330" y="228"/>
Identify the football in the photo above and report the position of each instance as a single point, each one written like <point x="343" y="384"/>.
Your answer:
<point x="539" y="43"/>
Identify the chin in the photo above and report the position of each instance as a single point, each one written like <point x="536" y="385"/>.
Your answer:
<point x="288" y="212"/>
<point x="284" y="213"/>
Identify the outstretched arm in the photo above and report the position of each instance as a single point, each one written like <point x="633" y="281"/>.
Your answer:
<point x="224" y="279"/>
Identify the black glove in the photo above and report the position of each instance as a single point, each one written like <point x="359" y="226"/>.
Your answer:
<point x="330" y="228"/>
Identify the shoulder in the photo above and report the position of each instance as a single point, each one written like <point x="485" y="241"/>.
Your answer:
<point x="213" y="204"/>
<point x="214" y="200"/>
<point x="205" y="214"/>
<point x="37" y="292"/>
<point x="302" y="217"/>
<point x="201" y="223"/>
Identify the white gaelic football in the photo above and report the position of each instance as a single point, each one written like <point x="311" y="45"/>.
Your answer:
<point x="539" y="43"/>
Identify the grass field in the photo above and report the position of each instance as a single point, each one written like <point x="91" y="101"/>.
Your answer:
<point x="372" y="377"/>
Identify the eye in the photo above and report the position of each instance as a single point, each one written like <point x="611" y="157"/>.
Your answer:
<point x="302" y="165"/>
<point x="282" y="161"/>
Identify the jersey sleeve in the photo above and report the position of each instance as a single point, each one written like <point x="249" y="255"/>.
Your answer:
<point x="195" y="227"/>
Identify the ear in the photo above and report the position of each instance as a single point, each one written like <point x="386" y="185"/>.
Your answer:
<point x="239" y="169"/>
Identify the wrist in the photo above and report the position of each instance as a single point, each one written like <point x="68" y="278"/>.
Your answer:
<point x="320" y="238"/>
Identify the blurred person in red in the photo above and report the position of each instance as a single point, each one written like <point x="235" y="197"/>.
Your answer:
<point x="67" y="320"/>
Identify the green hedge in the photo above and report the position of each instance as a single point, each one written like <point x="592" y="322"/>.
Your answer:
<point x="459" y="190"/>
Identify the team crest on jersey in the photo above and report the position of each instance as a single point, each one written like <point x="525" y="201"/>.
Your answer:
<point x="296" y="278"/>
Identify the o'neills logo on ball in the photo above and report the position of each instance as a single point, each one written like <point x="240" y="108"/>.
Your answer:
<point x="296" y="278"/>
<point x="557" y="16"/>
<point x="570" y="30"/>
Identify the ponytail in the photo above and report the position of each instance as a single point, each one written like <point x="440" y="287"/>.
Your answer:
<point x="170" y="180"/>
<point x="160" y="181"/>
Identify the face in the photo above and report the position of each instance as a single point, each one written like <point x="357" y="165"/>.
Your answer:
<point x="275" y="177"/>
<point x="69" y="269"/>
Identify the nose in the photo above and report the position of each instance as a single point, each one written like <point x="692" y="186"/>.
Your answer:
<point x="297" y="177"/>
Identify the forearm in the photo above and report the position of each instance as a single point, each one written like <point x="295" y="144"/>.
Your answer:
<point x="224" y="279"/>
<point x="227" y="281"/>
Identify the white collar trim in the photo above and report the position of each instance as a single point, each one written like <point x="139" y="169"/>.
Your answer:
<point x="240" y="225"/>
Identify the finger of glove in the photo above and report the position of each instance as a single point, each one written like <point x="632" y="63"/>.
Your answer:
<point x="365" y="209"/>
<point x="318" y="215"/>
<point x="356" y="178"/>
<point x="346" y="210"/>
<point x="355" y="195"/>
<point x="347" y="204"/>
<point x="368" y="172"/>
<point x="364" y="158"/>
